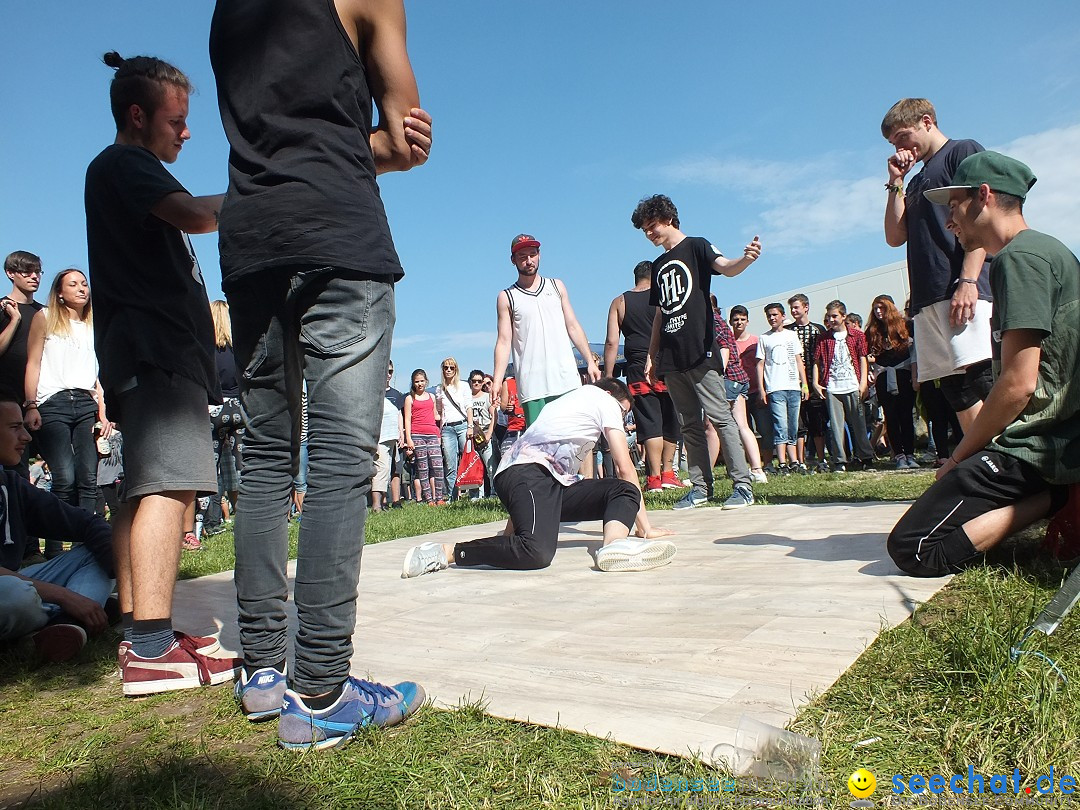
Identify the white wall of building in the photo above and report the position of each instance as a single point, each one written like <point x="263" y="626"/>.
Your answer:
<point x="857" y="291"/>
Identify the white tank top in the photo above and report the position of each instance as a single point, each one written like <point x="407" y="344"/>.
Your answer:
<point x="543" y="354"/>
<point x="68" y="361"/>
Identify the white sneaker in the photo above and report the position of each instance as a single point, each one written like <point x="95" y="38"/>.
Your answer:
<point x="426" y="558"/>
<point x="635" y="555"/>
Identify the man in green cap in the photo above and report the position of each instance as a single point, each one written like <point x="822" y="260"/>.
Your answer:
<point x="1021" y="453"/>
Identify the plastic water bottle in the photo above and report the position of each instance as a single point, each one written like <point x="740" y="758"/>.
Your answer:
<point x="198" y="527"/>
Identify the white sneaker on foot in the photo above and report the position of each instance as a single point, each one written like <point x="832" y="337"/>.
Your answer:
<point x="426" y="558"/>
<point x="635" y="555"/>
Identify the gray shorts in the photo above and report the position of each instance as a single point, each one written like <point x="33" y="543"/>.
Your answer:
<point x="167" y="436"/>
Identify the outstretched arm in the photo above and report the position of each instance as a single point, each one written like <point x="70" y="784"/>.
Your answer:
<point x="625" y="469"/>
<point x="732" y="267"/>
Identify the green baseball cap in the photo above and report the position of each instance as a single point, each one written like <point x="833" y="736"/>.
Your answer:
<point x="1000" y="172"/>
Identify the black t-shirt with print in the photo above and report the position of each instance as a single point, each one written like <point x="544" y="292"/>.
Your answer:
<point x="680" y="287"/>
<point x="150" y="305"/>
<point x="13" y="361"/>
<point x="808" y="335"/>
<point x="934" y="257"/>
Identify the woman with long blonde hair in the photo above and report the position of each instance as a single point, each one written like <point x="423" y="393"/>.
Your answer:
<point x="455" y="401"/>
<point x="226" y="419"/>
<point x="63" y="397"/>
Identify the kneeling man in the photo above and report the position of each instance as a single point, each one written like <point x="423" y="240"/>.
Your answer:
<point x="539" y="485"/>
<point x="1022" y="451"/>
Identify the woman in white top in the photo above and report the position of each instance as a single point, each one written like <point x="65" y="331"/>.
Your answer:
<point x="455" y="403"/>
<point x="63" y="397"/>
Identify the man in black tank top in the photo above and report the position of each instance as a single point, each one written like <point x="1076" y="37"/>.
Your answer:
<point x="655" y="417"/>
<point x="309" y="267"/>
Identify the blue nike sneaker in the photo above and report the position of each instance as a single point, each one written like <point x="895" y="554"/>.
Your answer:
<point x="261" y="695"/>
<point x="361" y="703"/>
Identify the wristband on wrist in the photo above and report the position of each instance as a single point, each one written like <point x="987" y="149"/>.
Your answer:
<point x="967" y="281"/>
<point x="30" y="403"/>
<point x="895" y="188"/>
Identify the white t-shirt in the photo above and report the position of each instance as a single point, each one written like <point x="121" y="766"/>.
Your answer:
<point x="565" y="432"/>
<point x="842" y="379"/>
<point x="389" y="430"/>
<point x="481" y="410"/>
<point x="462" y="396"/>
<point x="68" y="361"/>
<point x="781" y="352"/>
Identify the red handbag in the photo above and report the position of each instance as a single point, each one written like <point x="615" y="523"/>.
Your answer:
<point x="470" y="472"/>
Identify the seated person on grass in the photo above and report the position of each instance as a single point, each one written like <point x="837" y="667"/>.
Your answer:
<point x="56" y="602"/>
<point x="1022" y="451"/>
<point x="539" y="485"/>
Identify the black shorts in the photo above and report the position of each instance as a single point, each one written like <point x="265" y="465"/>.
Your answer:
<point x="654" y="415"/>
<point x="964" y="390"/>
<point x="930" y="541"/>
<point x="813" y="418"/>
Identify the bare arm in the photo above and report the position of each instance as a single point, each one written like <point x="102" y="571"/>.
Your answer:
<point x="189" y="214"/>
<point x="502" y="342"/>
<point x="408" y="421"/>
<point x="761" y="379"/>
<point x="14" y="319"/>
<point x="1020" y="355"/>
<point x="614" y="329"/>
<point x="35" y="347"/>
<point x="966" y="295"/>
<point x="576" y="333"/>
<point x="654" y="348"/>
<point x="625" y="469"/>
<point x="378" y="30"/>
<point x="86" y="612"/>
<point x="899" y="164"/>
<point x="732" y="267"/>
<point x="864" y="379"/>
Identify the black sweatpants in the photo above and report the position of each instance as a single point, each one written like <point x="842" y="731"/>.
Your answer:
<point x="929" y="540"/>
<point x="537" y="503"/>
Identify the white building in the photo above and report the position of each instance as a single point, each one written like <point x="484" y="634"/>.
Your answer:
<point x="857" y="291"/>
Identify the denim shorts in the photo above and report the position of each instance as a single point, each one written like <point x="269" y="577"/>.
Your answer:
<point x="733" y="390"/>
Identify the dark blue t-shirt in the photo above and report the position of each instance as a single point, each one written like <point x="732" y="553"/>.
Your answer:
<point x="934" y="257"/>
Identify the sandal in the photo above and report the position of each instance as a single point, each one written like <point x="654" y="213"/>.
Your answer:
<point x="190" y="542"/>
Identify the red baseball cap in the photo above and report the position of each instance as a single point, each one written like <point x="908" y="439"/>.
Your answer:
<point x="523" y="241"/>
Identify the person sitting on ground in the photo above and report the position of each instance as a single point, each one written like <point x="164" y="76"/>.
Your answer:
<point x="1019" y="455"/>
<point x="58" y="602"/>
<point x="840" y="376"/>
<point x="539" y="485"/>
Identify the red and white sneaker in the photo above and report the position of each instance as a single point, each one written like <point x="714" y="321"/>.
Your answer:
<point x="652" y="483"/>
<point x="59" y="642"/>
<point x="181" y="667"/>
<point x="204" y="645"/>
<point x="669" y="480"/>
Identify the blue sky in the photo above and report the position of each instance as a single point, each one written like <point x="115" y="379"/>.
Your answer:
<point x="555" y="118"/>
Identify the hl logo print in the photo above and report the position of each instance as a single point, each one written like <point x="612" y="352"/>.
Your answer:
<point x="676" y="283"/>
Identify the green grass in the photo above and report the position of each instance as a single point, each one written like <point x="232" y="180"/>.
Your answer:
<point x="936" y="694"/>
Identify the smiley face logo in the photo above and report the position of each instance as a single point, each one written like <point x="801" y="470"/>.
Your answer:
<point x="861" y="783"/>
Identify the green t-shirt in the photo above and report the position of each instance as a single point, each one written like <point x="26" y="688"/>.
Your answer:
<point x="1036" y="285"/>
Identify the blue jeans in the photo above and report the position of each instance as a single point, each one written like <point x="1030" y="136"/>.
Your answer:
<point x="66" y="442"/>
<point x="785" y="416"/>
<point x="453" y="445"/>
<point x="332" y="329"/>
<point x="25" y="613"/>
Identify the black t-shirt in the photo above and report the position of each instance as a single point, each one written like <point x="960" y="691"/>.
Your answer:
<point x="808" y="336"/>
<point x="637" y="323"/>
<point x="396" y="397"/>
<point x="934" y="257"/>
<point x="150" y="305"/>
<point x="13" y="361"/>
<point x="680" y="287"/>
<point x="227" y="376"/>
<point x="297" y="109"/>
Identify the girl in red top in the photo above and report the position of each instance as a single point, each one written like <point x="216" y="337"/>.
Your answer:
<point x="422" y="439"/>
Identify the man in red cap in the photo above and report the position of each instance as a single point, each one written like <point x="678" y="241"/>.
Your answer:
<point x="537" y="324"/>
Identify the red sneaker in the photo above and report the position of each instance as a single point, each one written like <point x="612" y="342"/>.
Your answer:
<point x="204" y="645"/>
<point x="652" y="483"/>
<point x="59" y="642"/>
<point x="669" y="480"/>
<point x="182" y="667"/>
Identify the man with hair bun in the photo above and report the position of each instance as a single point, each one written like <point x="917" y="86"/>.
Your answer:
<point x="154" y="340"/>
